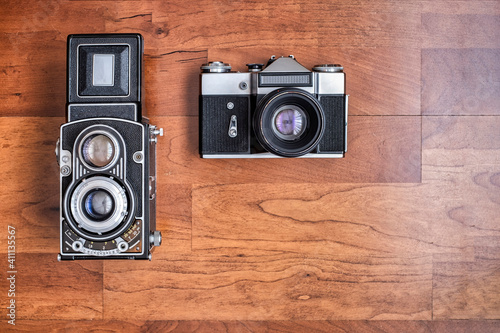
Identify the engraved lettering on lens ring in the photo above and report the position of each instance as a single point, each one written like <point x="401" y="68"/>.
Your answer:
<point x="99" y="149"/>
<point x="100" y="205"/>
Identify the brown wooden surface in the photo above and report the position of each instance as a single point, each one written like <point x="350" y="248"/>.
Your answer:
<point x="401" y="235"/>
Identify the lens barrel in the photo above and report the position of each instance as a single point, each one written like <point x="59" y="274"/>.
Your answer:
<point x="289" y="122"/>
<point x="98" y="150"/>
<point x="100" y="208"/>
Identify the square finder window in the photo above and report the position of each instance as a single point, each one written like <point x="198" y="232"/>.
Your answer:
<point x="103" y="73"/>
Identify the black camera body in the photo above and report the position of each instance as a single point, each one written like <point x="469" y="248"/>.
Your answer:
<point x="282" y="110"/>
<point x="107" y="152"/>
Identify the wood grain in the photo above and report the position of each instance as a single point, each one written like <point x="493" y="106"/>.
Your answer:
<point x="461" y="7"/>
<point x="400" y="235"/>
<point x="295" y="24"/>
<point x="380" y="149"/>
<point x="337" y="220"/>
<point x="443" y="30"/>
<point x="365" y="326"/>
<point x="174" y="219"/>
<point x="461" y="82"/>
<point x="465" y="290"/>
<point x="176" y="75"/>
<point x="461" y="152"/>
<point x="27" y="93"/>
<point x="48" y="289"/>
<point x="29" y="190"/>
<point x="33" y="85"/>
<point x="268" y="286"/>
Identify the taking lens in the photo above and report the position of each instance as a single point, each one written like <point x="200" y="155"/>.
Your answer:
<point x="99" y="204"/>
<point x="98" y="150"/>
<point x="289" y="122"/>
<point x="100" y="208"/>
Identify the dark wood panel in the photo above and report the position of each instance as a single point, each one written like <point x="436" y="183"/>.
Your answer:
<point x="380" y="81"/>
<point x="444" y="30"/>
<point x="461" y="81"/>
<point x="460" y="7"/>
<point x="467" y="290"/>
<point x="459" y="136"/>
<point x="380" y="149"/>
<point x="461" y="153"/>
<point x="273" y="286"/>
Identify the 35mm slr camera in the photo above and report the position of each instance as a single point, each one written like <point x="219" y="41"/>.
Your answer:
<point x="107" y="152"/>
<point x="282" y="110"/>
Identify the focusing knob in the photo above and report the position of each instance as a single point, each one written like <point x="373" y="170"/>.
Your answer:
<point x="215" y="67"/>
<point x="155" y="238"/>
<point x="329" y="68"/>
<point x="154" y="132"/>
<point x="255" y="67"/>
<point x="57" y="151"/>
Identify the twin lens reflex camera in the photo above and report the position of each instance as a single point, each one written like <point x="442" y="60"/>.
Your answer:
<point x="107" y="152"/>
<point x="282" y="110"/>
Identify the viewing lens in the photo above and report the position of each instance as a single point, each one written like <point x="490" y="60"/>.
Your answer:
<point x="99" y="204"/>
<point x="289" y="122"/>
<point x="98" y="150"/>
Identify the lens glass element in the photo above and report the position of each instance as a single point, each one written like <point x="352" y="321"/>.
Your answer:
<point x="99" y="205"/>
<point x="289" y="122"/>
<point x="98" y="150"/>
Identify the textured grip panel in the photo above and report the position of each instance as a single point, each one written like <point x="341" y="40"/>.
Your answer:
<point x="214" y="124"/>
<point x="334" y="136"/>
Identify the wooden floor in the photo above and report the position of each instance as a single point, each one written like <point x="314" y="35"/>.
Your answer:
<point x="403" y="234"/>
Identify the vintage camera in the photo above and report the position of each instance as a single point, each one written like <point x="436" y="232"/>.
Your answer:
<point x="107" y="152"/>
<point x="282" y="110"/>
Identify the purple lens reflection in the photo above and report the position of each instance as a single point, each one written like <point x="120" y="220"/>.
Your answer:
<point x="289" y="122"/>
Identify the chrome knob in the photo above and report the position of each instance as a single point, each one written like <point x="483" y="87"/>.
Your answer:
<point x="155" y="238"/>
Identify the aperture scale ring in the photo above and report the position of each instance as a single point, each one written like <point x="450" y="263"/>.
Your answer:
<point x="112" y="227"/>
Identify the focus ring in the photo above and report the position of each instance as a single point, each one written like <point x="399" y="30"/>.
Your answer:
<point x="117" y="194"/>
<point x="265" y="115"/>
